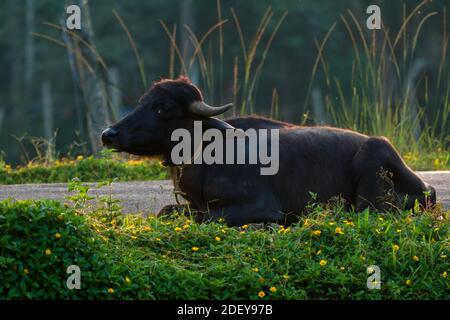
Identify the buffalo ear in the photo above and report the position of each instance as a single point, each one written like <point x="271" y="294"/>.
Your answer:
<point x="215" y="123"/>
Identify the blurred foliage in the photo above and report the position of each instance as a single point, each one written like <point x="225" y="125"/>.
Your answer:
<point x="288" y="68"/>
<point x="88" y="169"/>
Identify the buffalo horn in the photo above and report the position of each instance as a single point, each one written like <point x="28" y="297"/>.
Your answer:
<point x="202" y="109"/>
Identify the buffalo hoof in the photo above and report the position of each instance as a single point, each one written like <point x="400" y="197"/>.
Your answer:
<point x="172" y="209"/>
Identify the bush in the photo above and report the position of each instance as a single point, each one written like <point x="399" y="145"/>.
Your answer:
<point x="110" y="168"/>
<point x="324" y="256"/>
<point x="86" y="169"/>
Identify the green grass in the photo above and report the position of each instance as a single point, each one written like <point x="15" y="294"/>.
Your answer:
<point x="88" y="169"/>
<point x="415" y="116"/>
<point x="124" y="257"/>
<point x="92" y="169"/>
<point x="432" y="160"/>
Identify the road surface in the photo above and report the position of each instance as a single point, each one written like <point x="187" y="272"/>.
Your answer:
<point x="147" y="197"/>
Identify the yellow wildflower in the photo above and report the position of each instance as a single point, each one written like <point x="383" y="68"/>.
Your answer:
<point x="185" y="226"/>
<point x="110" y="290"/>
<point x="261" y="294"/>
<point x="339" y="230"/>
<point x="316" y="232"/>
<point x="57" y="235"/>
<point x="255" y="269"/>
<point x="245" y="226"/>
<point x="436" y="163"/>
<point x="158" y="239"/>
<point x="323" y="262"/>
<point x="444" y="274"/>
<point x="80" y="157"/>
<point x="217" y="238"/>
<point x="127" y="280"/>
<point x="26" y="271"/>
<point x="395" y="247"/>
<point x="177" y="229"/>
<point x="416" y="258"/>
<point x="273" y="289"/>
<point x="331" y="223"/>
<point x="48" y="252"/>
<point x="195" y="249"/>
<point x="408" y="282"/>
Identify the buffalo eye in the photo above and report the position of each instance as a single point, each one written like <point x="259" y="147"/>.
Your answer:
<point x="165" y="111"/>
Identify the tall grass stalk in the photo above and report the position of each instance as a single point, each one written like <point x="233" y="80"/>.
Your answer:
<point x="383" y="96"/>
<point x="246" y="71"/>
<point x="138" y="57"/>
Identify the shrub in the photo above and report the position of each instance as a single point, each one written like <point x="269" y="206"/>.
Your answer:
<point x="39" y="241"/>
<point x="86" y="169"/>
<point x="110" y="168"/>
<point x="323" y="256"/>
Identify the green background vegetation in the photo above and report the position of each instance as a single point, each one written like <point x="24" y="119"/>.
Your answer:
<point x="85" y="169"/>
<point x="316" y="64"/>
<point x="111" y="167"/>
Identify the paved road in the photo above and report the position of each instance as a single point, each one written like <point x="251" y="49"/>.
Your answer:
<point x="149" y="196"/>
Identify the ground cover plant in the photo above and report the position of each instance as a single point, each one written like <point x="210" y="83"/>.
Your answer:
<point x="106" y="167"/>
<point x="89" y="169"/>
<point x="325" y="255"/>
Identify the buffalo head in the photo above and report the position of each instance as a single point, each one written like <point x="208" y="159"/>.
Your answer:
<point x="168" y="105"/>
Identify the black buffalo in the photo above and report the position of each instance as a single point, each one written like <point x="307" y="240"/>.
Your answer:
<point x="328" y="162"/>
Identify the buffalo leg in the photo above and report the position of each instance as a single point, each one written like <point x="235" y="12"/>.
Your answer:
<point x="375" y="155"/>
<point x="180" y="208"/>
<point x="251" y="212"/>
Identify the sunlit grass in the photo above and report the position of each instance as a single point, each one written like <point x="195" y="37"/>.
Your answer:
<point x="89" y="169"/>
<point x="385" y="96"/>
<point x="323" y="256"/>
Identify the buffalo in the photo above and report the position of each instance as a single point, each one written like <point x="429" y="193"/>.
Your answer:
<point x="320" y="162"/>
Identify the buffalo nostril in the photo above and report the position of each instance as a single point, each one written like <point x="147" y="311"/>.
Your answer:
<point x="108" y="135"/>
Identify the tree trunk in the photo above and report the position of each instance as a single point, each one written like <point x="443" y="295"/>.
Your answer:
<point x="47" y="110"/>
<point x="114" y="92"/>
<point x="29" y="50"/>
<point x="91" y="80"/>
